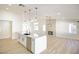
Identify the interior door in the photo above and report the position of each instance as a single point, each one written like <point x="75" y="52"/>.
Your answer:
<point x="5" y="29"/>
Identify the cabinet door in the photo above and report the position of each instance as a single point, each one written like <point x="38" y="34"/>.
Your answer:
<point x="29" y="42"/>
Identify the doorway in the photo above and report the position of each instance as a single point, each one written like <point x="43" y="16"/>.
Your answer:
<point x="5" y="29"/>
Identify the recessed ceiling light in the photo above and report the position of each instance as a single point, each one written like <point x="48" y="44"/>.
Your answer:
<point x="7" y="8"/>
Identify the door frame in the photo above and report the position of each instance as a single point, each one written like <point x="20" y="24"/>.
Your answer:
<point x="10" y="22"/>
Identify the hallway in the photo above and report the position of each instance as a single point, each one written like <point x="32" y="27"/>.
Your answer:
<point x="8" y="46"/>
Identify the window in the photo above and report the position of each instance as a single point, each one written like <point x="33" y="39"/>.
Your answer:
<point x="72" y="28"/>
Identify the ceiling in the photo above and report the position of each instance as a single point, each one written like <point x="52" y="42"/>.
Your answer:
<point x="57" y="11"/>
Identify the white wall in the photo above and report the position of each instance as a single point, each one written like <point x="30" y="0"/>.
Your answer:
<point x="40" y="44"/>
<point x="5" y="30"/>
<point x="15" y="17"/>
<point x="62" y="29"/>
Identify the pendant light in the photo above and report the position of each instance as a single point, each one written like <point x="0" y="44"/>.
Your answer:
<point x="36" y="15"/>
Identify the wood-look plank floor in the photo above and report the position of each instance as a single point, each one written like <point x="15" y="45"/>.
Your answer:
<point x="8" y="46"/>
<point x="55" y="46"/>
<point x="62" y="46"/>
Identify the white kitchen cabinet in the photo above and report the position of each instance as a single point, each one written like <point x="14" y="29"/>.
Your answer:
<point x="23" y="40"/>
<point x="40" y="44"/>
<point x="26" y="41"/>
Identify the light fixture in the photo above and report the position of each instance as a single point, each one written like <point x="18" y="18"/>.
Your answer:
<point x="25" y="12"/>
<point x="29" y="14"/>
<point x="25" y="15"/>
<point x="21" y="5"/>
<point x="36" y="15"/>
